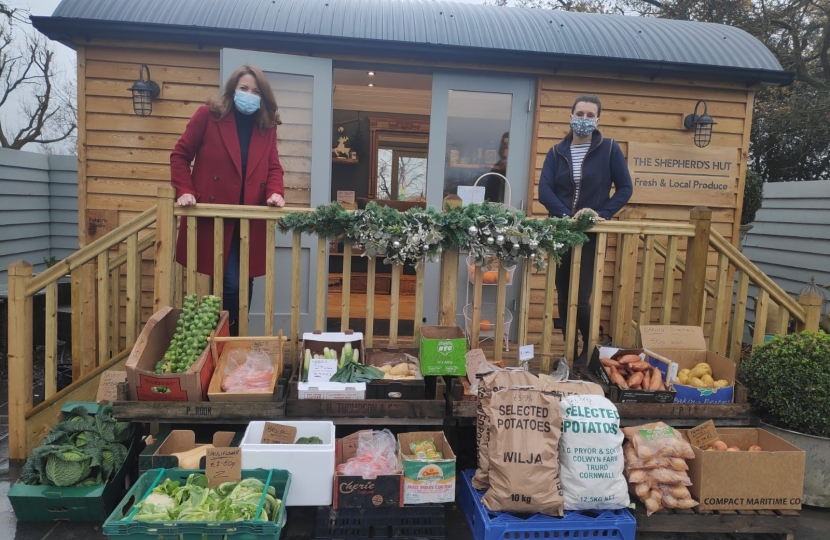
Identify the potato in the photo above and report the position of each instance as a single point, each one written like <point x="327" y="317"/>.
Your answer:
<point x="699" y="372"/>
<point x="721" y="383"/>
<point x="388" y="376"/>
<point x="684" y="371"/>
<point x="696" y="382"/>
<point x="400" y="369"/>
<point x="412" y="367"/>
<point x="683" y="378"/>
<point x="706" y="367"/>
<point x="708" y="381"/>
<point x="386" y="368"/>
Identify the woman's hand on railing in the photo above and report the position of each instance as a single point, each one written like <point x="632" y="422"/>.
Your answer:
<point x="186" y="200"/>
<point x="276" y="200"/>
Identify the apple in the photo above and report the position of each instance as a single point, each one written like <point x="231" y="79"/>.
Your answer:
<point x="755" y="448"/>
<point x="733" y="449"/>
<point x="719" y="446"/>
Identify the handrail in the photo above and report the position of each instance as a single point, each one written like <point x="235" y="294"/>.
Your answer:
<point x="761" y="280"/>
<point x="235" y="211"/>
<point x="142" y="246"/>
<point x="92" y="250"/>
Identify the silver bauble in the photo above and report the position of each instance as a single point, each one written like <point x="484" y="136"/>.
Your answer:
<point x="490" y="240"/>
<point x="516" y="247"/>
<point x="473" y="230"/>
<point x="500" y="239"/>
<point x="533" y="244"/>
<point x="396" y="244"/>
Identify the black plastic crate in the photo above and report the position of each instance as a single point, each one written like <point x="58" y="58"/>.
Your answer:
<point x="424" y="521"/>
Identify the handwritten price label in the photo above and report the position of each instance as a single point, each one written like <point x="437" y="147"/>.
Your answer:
<point x="274" y="433"/>
<point x="108" y="386"/>
<point x="223" y="465"/>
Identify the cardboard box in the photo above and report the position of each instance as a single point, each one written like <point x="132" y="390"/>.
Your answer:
<point x="395" y="388"/>
<point x="772" y="479"/>
<point x="618" y="395"/>
<point x="331" y="390"/>
<point x="443" y="350"/>
<point x="427" y="480"/>
<point x="274" y="350"/>
<point x="358" y="492"/>
<point x="317" y="341"/>
<point x="158" y="455"/>
<point x="680" y="347"/>
<point x="149" y="348"/>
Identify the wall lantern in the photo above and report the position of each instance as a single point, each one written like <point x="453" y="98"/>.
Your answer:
<point x="144" y="92"/>
<point x="701" y="125"/>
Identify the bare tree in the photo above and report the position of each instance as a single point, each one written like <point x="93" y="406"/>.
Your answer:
<point x="37" y="106"/>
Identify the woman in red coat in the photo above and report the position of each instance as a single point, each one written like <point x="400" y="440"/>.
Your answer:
<point x="234" y="143"/>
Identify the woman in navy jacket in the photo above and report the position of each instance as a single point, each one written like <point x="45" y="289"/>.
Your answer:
<point x="577" y="175"/>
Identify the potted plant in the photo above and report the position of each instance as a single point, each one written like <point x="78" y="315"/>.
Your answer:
<point x="788" y="384"/>
<point x="753" y="200"/>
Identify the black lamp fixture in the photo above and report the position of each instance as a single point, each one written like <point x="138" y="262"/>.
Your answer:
<point x="144" y="92"/>
<point x="701" y="125"/>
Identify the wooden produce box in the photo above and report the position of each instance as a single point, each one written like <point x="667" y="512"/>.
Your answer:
<point x="395" y="388"/>
<point x="433" y="407"/>
<point x="273" y="346"/>
<point x="149" y="348"/>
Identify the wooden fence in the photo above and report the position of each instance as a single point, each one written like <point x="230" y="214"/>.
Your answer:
<point x="98" y="344"/>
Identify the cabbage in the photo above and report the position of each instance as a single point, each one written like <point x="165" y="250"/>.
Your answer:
<point x="68" y="467"/>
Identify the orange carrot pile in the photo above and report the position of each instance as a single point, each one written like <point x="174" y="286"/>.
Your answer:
<point x="632" y="372"/>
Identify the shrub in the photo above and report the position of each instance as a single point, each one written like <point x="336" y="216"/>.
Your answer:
<point x="753" y="196"/>
<point x="788" y="381"/>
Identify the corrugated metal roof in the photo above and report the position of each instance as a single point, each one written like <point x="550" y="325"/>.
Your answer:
<point x="442" y="25"/>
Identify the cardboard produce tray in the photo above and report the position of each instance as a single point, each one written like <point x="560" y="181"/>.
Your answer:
<point x="115" y="527"/>
<point x="273" y="346"/>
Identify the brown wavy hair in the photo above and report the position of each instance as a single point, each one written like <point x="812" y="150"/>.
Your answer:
<point x="267" y="116"/>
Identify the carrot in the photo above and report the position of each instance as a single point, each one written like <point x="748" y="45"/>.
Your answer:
<point x="636" y="387"/>
<point x="630" y="359"/>
<point x="608" y="362"/>
<point x="646" y="380"/>
<point x="639" y="366"/>
<point x="607" y="370"/>
<point x="637" y="379"/>
<point x="656" y="380"/>
<point x="662" y="386"/>
<point x="618" y="379"/>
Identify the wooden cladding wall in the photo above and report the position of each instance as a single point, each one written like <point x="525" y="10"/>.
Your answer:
<point x="642" y="112"/>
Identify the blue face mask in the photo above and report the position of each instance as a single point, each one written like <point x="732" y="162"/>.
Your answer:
<point x="582" y="127"/>
<point x="246" y="103"/>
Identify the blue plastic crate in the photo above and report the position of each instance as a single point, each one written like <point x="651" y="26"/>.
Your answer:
<point x="487" y="525"/>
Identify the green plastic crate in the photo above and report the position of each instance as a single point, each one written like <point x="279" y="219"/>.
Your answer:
<point x="93" y="503"/>
<point x="116" y="528"/>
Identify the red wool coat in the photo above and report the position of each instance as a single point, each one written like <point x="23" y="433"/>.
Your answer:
<point x="217" y="178"/>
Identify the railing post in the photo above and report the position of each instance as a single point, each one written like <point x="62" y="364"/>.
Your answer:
<point x="448" y="296"/>
<point x="692" y="302"/>
<point x="20" y="356"/>
<point x="811" y="303"/>
<point x="165" y="249"/>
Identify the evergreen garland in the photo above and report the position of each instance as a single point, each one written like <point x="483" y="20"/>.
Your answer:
<point x="484" y="230"/>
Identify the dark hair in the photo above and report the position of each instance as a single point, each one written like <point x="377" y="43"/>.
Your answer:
<point x="588" y="98"/>
<point x="505" y="142"/>
<point x="267" y="116"/>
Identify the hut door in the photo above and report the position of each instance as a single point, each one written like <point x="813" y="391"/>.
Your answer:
<point x="303" y="87"/>
<point x="477" y="122"/>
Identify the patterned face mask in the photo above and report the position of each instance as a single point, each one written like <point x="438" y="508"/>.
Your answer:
<point x="583" y="127"/>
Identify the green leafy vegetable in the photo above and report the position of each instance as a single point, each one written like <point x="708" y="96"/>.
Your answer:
<point x="230" y="501"/>
<point x="196" y="321"/>
<point x="309" y="440"/>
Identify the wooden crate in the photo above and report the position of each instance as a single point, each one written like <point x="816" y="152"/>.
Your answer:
<point x="274" y="348"/>
<point x="783" y="522"/>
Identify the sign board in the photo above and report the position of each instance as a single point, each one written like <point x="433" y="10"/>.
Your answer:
<point x="108" y="386"/>
<point x="274" y="433"/>
<point x="223" y="465"/>
<point x="321" y="370"/>
<point x="526" y="352"/>
<point x="683" y="175"/>
<point x="345" y="197"/>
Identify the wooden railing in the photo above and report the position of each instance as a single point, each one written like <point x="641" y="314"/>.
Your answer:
<point x="98" y="297"/>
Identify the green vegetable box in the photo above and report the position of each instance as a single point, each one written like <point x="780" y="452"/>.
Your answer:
<point x="79" y="471"/>
<point x="176" y="503"/>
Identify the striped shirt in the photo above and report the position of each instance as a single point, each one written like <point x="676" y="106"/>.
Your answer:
<point x="578" y="152"/>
